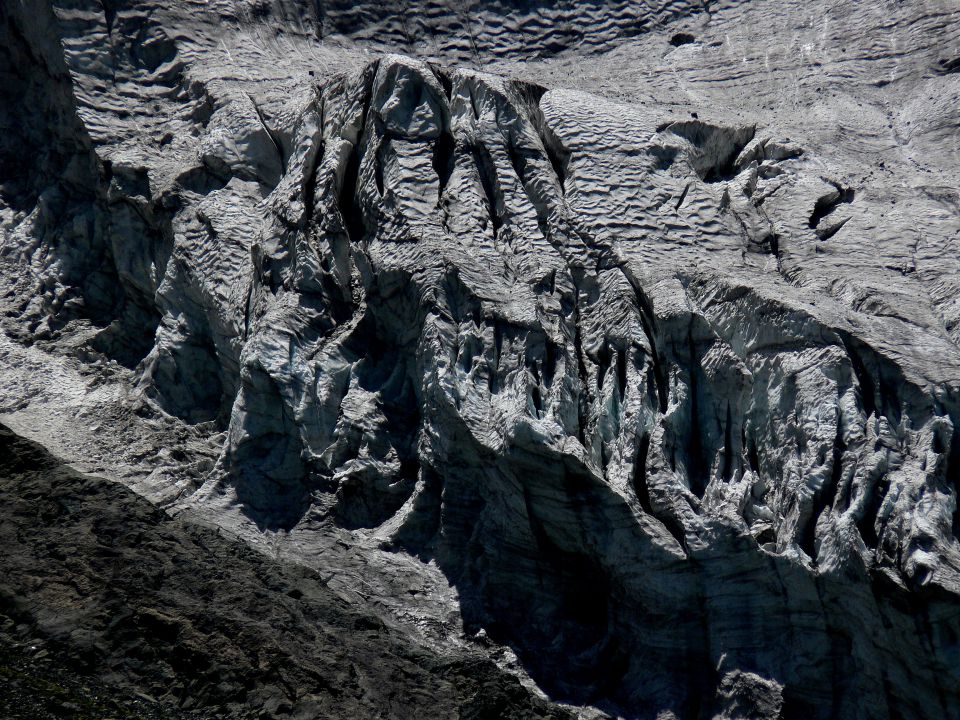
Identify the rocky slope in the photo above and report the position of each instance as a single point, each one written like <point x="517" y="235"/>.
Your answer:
<point x="115" y="610"/>
<point x="620" y="340"/>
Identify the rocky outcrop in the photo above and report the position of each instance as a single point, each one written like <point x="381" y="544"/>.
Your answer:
<point x="658" y="405"/>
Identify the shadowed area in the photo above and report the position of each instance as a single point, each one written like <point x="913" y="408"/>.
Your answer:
<point x="110" y="608"/>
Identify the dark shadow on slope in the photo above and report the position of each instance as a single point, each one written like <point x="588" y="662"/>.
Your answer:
<point x="193" y="625"/>
<point x="46" y="153"/>
<point x="386" y="350"/>
<point x="827" y="204"/>
<point x="714" y="147"/>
